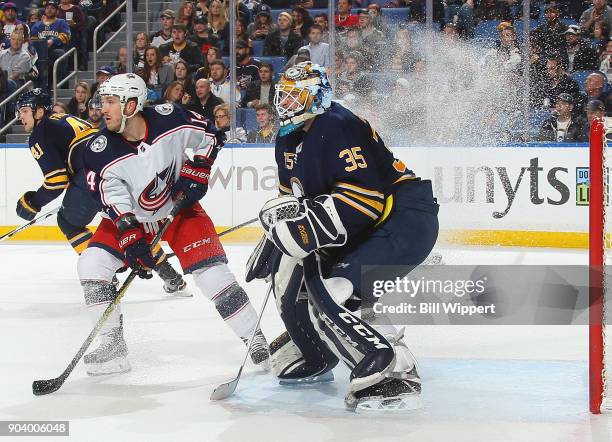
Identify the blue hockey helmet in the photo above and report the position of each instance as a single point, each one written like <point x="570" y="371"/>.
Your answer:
<point x="302" y="93"/>
<point x="35" y="98"/>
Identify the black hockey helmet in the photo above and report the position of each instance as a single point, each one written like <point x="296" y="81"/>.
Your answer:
<point x="35" y="98"/>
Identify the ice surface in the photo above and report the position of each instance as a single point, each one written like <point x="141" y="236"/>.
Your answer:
<point x="479" y="383"/>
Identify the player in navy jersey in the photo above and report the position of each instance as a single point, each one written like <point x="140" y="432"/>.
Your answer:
<point x="138" y="170"/>
<point x="346" y="202"/>
<point x="57" y="142"/>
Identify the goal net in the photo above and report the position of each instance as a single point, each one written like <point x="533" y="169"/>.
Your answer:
<point x="600" y="248"/>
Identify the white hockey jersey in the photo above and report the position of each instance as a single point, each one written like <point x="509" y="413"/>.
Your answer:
<point x="138" y="177"/>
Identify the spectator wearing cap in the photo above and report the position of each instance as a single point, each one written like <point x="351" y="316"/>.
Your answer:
<point x="201" y="37"/>
<point x="94" y="113"/>
<point x="164" y="35"/>
<point x="557" y="82"/>
<point x="205" y="101"/>
<point x="581" y="55"/>
<point x="266" y="130"/>
<point x="283" y="42"/>
<point x="262" y="26"/>
<point x="563" y="127"/>
<point x="303" y="54"/>
<point x="302" y="21"/>
<point x="344" y="19"/>
<point x="247" y="67"/>
<point x="319" y="52"/>
<point x="102" y="74"/>
<point x="77" y="21"/>
<point x="599" y="11"/>
<point x="56" y="32"/>
<point x="260" y="91"/>
<point x="181" y="49"/>
<point x="322" y="20"/>
<point x="219" y="81"/>
<point x="549" y="37"/>
<point x="10" y="18"/>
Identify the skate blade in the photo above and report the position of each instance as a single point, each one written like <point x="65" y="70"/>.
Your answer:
<point x="400" y="404"/>
<point x="179" y="294"/>
<point x="309" y="381"/>
<point x="116" y="366"/>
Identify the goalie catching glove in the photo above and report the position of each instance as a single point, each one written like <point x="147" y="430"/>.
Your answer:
<point x="192" y="184"/>
<point x="298" y="228"/>
<point x="133" y="244"/>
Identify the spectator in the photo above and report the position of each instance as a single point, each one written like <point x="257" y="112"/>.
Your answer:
<point x="141" y="42"/>
<point x="77" y="105"/>
<point x="580" y="54"/>
<point x="283" y="42"/>
<point x="56" y="32"/>
<point x="218" y="25"/>
<point x="214" y="53"/>
<point x="94" y="113"/>
<point x="537" y="76"/>
<point x="301" y="21"/>
<point x="201" y="36"/>
<point x="594" y="109"/>
<point x="549" y="37"/>
<point x="266" y="132"/>
<point x="601" y="36"/>
<point x="339" y="65"/>
<point x="344" y="19"/>
<point x="262" y="26"/>
<point x="157" y="76"/>
<point x="33" y="17"/>
<point x="241" y="33"/>
<point x="260" y="91"/>
<point x="202" y="8"/>
<point x="15" y="62"/>
<point x="181" y="49"/>
<point x="220" y="83"/>
<point x="373" y="40"/>
<point x="60" y="108"/>
<point x="77" y="21"/>
<point x="450" y="32"/>
<point x="322" y="20"/>
<point x="104" y="73"/>
<point x="205" y="101"/>
<point x="164" y="35"/>
<point x="352" y="42"/>
<point x="319" y="52"/>
<point x="222" y="121"/>
<point x="606" y="65"/>
<point x="120" y="65"/>
<point x="186" y="15"/>
<point x="375" y="12"/>
<point x="23" y="29"/>
<point x="558" y="82"/>
<point x="599" y="11"/>
<point x="346" y="80"/>
<point x="247" y="68"/>
<point x="562" y="127"/>
<point x="182" y="74"/>
<point x="594" y="89"/>
<point x="465" y="20"/>
<point x="508" y="51"/>
<point x="10" y="18"/>
<point x="175" y="93"/>
<point x="303" y="54"/>
<point x="403" y="53"/>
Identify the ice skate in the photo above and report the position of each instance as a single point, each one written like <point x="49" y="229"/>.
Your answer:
<point x="391" y="394"/>
<point x="111" y="355"/>
<point x="174" y="284"/>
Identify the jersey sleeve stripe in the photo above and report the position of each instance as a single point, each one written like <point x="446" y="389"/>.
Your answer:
<point x="81" y="137"/>
<point x="57" y="179"/>
<point x="405" y="178"/>
<point x="362" y="190"/>
<point x="355" y="206"/>
<point x="284" y="189"/>
<point x="376" y="205"/>
<point x="55" y="186"/>
<point x="55" y="172"/>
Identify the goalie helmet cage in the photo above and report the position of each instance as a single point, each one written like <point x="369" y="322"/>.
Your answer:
<point x="600" y="394"/>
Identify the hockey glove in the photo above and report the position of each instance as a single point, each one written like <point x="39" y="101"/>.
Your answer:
<point x="263" y="261"/>
<point x="193" y="181"/>
<point x="316" y="224"/>
<point x="26" y="209"/>
<point x="134" y="245"/>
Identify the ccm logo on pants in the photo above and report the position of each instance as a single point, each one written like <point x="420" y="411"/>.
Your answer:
<point x="196" y="244"/>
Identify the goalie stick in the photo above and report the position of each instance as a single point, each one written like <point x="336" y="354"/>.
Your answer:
<point x="28" y="224"/>
<point x="226" y="389"/>
<point x="47" y="386"/>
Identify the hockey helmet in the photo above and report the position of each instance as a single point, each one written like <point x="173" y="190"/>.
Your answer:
<point x="34" y="99"/>
<point x="302" y="93"/>
<point x="126" y="87"/>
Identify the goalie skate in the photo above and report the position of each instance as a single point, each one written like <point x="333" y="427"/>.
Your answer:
<point x="110" y="357"/>
<point x="390" y="395"/>
<point x="260" y="352"/>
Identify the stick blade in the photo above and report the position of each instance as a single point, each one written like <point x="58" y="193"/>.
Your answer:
<point x="224" y="390"/>
<point x="47" y="386"/>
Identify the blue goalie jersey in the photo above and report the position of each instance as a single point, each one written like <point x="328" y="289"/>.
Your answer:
<point x="343" y="156"/>
<point x="56" y="144"/>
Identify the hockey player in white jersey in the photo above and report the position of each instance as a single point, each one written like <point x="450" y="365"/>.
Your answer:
<point x="138" y="169"/>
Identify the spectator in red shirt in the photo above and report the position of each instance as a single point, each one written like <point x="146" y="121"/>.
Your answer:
<point x="344" y="18"/>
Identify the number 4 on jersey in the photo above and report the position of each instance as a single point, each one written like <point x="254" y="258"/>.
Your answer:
<point x="91" y="181"/>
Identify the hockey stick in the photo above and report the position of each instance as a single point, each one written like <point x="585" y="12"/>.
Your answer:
<point x="46" y="386"/>
<point x="28" y="224"/>
<point x="226" y="389"/>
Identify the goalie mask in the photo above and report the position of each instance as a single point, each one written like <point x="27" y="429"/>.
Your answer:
<point x="302" y="93"/>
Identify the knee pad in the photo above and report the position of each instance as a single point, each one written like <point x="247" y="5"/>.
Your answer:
<point x="96" y="264"/>
<point x="213" y="280"/>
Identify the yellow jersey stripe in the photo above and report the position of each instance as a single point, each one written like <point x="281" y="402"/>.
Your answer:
<point x="55" y="186"/>
<point x="404" y="178"/>
<point x="54" y="172"/>
<point x="80" y="137"/>
<point x="354" y="205"/>
<point x="57" y="179"/>
<point x="358" y="189"/>
<point x="80" y="236"/>
<point x="374" y="204"/>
